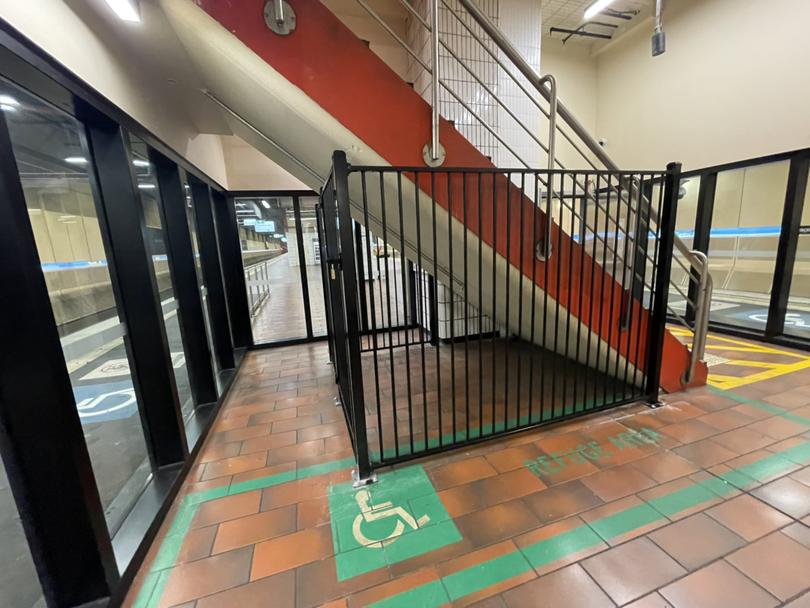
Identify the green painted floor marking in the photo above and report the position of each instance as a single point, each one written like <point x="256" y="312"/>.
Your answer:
<point x="612" y="526"/>
<point x="539" y="554"/>
<point x="397" y="518"/>
<point x="767" y="407"/>
<point x="152" y="588"/>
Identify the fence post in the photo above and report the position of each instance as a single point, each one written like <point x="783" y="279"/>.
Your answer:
<point x="658" y="311"/>
<point x="357" y="409"/>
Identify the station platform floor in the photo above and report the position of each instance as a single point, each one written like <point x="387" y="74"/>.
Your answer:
<point x="702" y="502"/>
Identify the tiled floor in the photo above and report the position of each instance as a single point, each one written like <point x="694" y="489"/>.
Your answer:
<point x="704" y="502"/>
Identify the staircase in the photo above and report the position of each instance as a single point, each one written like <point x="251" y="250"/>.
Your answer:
<point x="299" y="96"/>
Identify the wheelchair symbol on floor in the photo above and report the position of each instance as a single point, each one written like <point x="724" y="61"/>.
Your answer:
<point x="369" y="513"/>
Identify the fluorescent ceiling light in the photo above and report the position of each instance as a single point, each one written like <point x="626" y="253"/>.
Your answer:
<point x="7" y="108"/>
<point x="590" y="12"/>
<point x="76" y="160"/>
<point x="266" y="204"/>
<point x="140" y="163"/>
<point x="8" y="100"/>
<point x="126" y="10"/>
<point x="146" y="186"/>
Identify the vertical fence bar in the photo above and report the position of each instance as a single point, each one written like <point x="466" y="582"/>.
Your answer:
<point x="361" y="271"/>
<point x="302" y="264"/>
<point x="658" y="313"/>
<point x="350" y="280"/>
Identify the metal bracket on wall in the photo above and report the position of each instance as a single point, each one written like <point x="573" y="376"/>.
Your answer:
<point x="279" y="17"/>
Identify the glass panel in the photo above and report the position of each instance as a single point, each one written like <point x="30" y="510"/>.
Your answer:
<point x="312" y="255"/>
<point x="19" y="585"/>
<point x="684" y="228"/>
<point x="272" y="271"/>
<point x="53" y="166"/>
<point x="148" y="188"/>
<point x="192" y="225"/>
<point x="797" y="319"/>
<point x="746" y="224"/>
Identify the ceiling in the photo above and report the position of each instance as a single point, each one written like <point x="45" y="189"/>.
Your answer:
<point x="569" y="14"/>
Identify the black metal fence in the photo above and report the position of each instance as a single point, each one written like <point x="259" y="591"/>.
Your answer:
<point x="456" y="312"/>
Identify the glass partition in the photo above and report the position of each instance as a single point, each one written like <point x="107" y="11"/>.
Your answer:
<point x="273" y="273"/>
<point x="746" y="224"/>
<point x="797" y="319"/>
<point x="56" y="176"/>
<point x="684" y="228"/>
<point x="150" y="200"/>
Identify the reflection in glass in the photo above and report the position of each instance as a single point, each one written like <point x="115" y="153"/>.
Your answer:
<point x="54" y="169"/>
<point x="746" y="224"/>
<point x="685" y="229"/>
<point x="148" y="189"/>
<point x="191" y="218"/>
<point x="267" y="234"/>
<point x="797" y="319"/>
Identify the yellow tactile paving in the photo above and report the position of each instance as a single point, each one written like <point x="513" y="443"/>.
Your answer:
<point x="789" y="361"/>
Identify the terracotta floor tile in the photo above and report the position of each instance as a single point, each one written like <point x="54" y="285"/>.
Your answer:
<point x="249" y="432"/>
<point x="696" y="540"/>
<point x="229" y="507"/>
<point x="561" y="501"/>
<point x="513" y="458"/>
<point x="778" y="427"/>
<point x="507" y="486"/>
<point x="252" y="529"/>
<point x="294" y="492"/>
<point x="217" y="450"/>
<point x="632" y="570"/>
<point x="777" y="562"/>
<point x="802" y="476"/>
<point x="197" y="544"/>
<point x="748" y="517"/>
<point x="460" y="472"/>
<point x="763" y="476"/>
<point x="689" y="431"/>
<point x="268" y="442"/>
<point x="617" y="482"/>
<point x="800" y="532"/>
<point x="496" y="523"/>
<point x="463" y="499"/>
<point x="313" y="513"/>
<point x="491" y="602"/>
<point x="718" y="585"/>
<point x="322" y="431"/>
<point x="394" y="587"/>
<point x="800" y="602"/>
<point x="623" y="519"/>
<point x="654" y="600"/>
<point x="743" y="440"/>
<point x="232" y="466"/>
<point x="559" y="531"/>
<point x="295" y="452"/>
<point x="475" y="558"/>
<point x="263" y="472"/>
<point x="274" y="416"/>
<point x="281" y="588"/>
<point x="705" y="453"/>
<point x="291" y="551"/>
<point x="299" y="422"/>
<point x="678" y="412"/>
<point x="665" y="466"/>
<point x="726" y="419"/>
<point x="787" y="495"/>
<point x="570" y="587"/>
<point x="317" y="584"/>
<point x="206" y="576"/>
<point x="668" y="498"/>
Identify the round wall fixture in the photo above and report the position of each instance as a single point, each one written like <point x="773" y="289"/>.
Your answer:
<point x="282" y="24"/>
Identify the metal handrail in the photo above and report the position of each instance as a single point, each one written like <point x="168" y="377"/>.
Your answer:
<point x="698" y="270"/>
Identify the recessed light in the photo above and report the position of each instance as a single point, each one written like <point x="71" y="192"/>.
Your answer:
<point x="8" y="100"/>
<point x="266" y="204"/>
<point x="127" y="10"/>
<point x="76" y="160"/>
<point x="146" y="186"/>
<point x="7" y="108"/>
<point x="140" y="163"/>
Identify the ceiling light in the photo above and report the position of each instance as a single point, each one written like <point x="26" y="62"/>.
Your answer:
<point x="76" y="160"/>
<point x="140" y="163"/>
<point x="7" y="108"/>
<point x="8" y="100"/>
<point x="146" y="186"/>
<point x="127" y="10"/>
<point x="266" y="204"/>
<point x="594" y="9"/>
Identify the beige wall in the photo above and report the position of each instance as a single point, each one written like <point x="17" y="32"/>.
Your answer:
<point x="249" y="169"/>
<point x="732" y="85"/>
